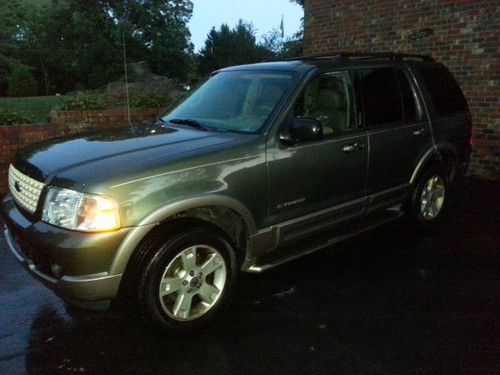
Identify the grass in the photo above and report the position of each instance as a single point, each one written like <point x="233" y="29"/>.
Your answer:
<point x="36" y="108"/>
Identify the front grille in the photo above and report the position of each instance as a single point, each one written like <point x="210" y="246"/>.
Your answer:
<point x="25" y="190"/>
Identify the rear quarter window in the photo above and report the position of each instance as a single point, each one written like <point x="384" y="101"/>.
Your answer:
<point x="444" y="90"/>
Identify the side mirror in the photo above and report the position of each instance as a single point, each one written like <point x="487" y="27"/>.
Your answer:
<point x="302" y="129"/>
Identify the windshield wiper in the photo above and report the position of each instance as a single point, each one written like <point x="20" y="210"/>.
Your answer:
<point x="187" y="121"/>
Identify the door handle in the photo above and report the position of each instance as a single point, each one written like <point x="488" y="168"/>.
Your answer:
<point x="419" y="132"/>
<point x="348" y="148"/>
<point x="353" y="147"/>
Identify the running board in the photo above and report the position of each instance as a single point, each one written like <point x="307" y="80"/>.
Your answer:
<point x="322" y="240"/>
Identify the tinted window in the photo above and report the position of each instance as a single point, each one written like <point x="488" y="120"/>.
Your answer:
<point x="408" y="99"/>
<point x="444" y="90"/>
<point x="380" y="96"/>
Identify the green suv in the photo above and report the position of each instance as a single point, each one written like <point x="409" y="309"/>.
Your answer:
<point x="258" y="165"/>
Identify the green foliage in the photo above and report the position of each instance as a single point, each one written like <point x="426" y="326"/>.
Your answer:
<point x="72" y="43"/>
<point x="156" y="31"/>
<point x="97" y="100"/>
<point x="138" y="99"/>
<point x="225" y="47"/>
<point x="21" y="82"/>
<point x="293" y="46"/>
<point x="84" y="101"/>
<point x="11" y="117"/>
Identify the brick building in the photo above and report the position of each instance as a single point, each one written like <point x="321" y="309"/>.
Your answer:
<point x="464" y="35"/>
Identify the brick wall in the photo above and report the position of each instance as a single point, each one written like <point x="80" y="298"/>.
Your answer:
<point x="465" y="37"/>
<point x="13" y="138"/>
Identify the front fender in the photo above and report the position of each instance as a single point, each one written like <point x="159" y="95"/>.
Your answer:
<point x="133" y="238"/>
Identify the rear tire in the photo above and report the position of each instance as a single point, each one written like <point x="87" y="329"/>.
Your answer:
<point x="186" y="280"/>
<point x="427" y="205"/>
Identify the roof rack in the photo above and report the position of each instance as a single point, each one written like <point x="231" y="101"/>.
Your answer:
<point x="342" y="56"/>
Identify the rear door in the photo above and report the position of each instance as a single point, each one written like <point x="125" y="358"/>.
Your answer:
<point x="448" y="107"/>
<point x="398" y="131"/>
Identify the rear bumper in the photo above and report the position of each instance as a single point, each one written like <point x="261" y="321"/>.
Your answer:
<point x="74" y="265"/>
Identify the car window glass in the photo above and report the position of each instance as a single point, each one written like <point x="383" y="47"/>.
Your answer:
<point x="443" y="89"/>
<point x="408" y="97"/>
<point x="236" y="100"/>
<point x="328" y="98"/>
<point x="380" y="96"/>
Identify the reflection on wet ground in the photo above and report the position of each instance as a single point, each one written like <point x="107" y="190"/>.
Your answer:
<point x="393" y="300"/>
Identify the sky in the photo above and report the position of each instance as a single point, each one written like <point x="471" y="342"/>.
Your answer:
<point x="265" y="15"/>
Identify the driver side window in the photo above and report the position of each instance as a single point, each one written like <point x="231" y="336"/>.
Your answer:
<point x="329" y="99"/>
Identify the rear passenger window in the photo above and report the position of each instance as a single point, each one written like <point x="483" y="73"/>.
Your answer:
<point x="380" y="96"/>
<point x="443" y="89"/>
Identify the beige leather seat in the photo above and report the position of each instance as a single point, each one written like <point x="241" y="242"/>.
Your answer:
<point x="331" y="111"/>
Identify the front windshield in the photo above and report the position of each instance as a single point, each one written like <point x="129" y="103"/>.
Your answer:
<point x="234" y="100"/>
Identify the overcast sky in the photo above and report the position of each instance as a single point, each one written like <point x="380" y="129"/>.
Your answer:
<point x="265" y="15"/>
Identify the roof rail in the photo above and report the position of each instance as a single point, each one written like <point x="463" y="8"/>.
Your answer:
<point x="342" y="56"/>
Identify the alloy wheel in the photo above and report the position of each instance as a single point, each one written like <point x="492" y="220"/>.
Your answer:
<point x="432" y="197"/>
<point x="192" y="282"/>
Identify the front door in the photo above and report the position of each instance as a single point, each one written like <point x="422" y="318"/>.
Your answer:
<point x="321" y="179"/>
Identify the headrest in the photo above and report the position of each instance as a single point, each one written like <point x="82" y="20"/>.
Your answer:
<point x="271" y="94"/>
<point x="327" y="98"/>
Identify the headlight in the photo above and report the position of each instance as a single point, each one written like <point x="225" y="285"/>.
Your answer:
<point x="79" y="211"/>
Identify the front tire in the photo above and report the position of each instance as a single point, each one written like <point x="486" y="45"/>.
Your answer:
<point x="186" y="280"/>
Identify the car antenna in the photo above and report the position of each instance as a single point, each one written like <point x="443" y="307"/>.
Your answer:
<point x="126" y="76"/>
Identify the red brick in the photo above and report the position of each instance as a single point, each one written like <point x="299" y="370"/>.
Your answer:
<point x="459" y="40"/>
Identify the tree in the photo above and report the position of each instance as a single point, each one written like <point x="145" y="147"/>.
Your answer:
<point x="73" y="43"/>
<point x="21" y="81"/>
<point x="283" y="48"/>
<point x="155" y="31"/>
<point x="226" y="46"/>
<point x="293" y="46"/>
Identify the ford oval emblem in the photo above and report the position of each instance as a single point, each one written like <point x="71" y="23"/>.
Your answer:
<point x="17" y="186"/>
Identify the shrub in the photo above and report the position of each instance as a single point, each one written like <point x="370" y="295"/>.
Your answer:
<point x="139" y="99"/>
<point x="83" y="101"/>
<point x="11" y="117"/>
<point x="98" y="100"/>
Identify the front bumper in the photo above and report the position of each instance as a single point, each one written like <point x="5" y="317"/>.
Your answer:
<point x="74" y="265"/>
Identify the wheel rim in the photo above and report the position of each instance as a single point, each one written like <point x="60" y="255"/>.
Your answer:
<point x="192" y="283"/>
<point x="432" y="197"/>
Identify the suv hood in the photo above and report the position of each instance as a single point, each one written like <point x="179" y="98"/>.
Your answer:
<point x="95" y="156"/>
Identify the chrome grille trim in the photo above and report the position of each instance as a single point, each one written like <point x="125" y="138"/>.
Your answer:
<point x="30" y="189"/>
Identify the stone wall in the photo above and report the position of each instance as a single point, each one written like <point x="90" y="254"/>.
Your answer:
<point x="464" y="35"/>
<point x="13" y="138"/>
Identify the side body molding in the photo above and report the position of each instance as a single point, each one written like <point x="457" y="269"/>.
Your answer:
<point x="133" y="238"/>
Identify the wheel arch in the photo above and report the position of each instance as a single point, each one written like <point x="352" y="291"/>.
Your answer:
<point x="443" y="154"/>
<point x="225" y="213"/>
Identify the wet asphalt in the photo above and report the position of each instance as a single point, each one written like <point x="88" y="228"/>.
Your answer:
<point x="391" y="301"/>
